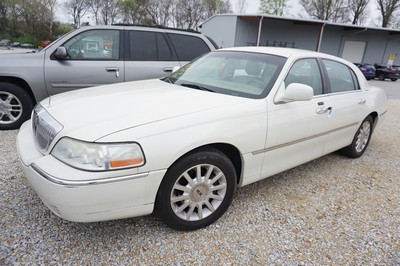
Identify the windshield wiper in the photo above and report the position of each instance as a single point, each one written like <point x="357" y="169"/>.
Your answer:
<point x="197" y="87"/>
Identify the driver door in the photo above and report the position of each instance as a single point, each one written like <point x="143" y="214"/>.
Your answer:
<point x="297" y="130"/>
<point x="94" y="58"/>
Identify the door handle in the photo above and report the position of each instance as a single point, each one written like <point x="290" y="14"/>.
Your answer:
<point x="168" y="69"/>
<point x="362" y="101"/>
<point x="323" y="110"/>
<point x="113" y="69"/>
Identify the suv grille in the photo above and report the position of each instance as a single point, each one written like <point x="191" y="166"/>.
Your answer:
<point x="45" y="127"/>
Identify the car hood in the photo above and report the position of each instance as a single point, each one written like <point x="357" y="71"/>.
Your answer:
<point x="93" y="113"/>
<point x="19" y="60"/>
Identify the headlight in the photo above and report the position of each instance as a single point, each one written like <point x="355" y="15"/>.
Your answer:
<point x="98" y="156"/>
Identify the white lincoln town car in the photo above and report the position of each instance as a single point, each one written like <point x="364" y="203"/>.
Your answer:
<point x="180" y="146"/>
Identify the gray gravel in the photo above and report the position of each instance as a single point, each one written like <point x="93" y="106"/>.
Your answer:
<point x="332" y="211"/>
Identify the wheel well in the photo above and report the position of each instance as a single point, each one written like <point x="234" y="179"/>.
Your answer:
<point x="374" y="116"/>
<point x="230" y="151"/>
<point x="20" y="82"/>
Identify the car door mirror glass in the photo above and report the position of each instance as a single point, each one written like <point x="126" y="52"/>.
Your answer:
<point x="61" y="53"/>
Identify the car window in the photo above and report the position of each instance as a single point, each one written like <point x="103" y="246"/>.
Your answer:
<point x="94" y="45"/>
<point x="149" y="46"/>
<point x="188" y="47"/>
<point x="340" y="77"/>
<point x="249" y="75"/>
<point x="306" y="71"/>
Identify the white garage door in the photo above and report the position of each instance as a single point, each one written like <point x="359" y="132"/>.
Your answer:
<point x="353" y="51"/>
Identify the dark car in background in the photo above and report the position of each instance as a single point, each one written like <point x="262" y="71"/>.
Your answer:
<point x="383" y="72"/>
<point x="367" y="69"/>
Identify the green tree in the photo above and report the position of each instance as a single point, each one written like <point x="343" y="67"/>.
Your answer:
<point x="273" y="7"/>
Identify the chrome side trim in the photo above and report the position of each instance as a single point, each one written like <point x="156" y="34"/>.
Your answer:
<point x="70" y="183"/>
<point x="302" y="140"/>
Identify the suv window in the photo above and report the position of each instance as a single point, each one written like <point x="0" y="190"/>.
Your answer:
<point x="306" y="71"/>
<point x="188" y="47"/>
<point x="94" y="44"/>
<point x="149" y="46"/>
<point x="340" y="77"/>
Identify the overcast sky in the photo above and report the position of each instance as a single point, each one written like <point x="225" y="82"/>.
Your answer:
<point x="294" y="10"/>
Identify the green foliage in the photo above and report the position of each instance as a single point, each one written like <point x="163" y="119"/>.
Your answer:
<point x="273" y="7"/>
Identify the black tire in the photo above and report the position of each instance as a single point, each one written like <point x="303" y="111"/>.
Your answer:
<point x="381" y="77"/>
<point x="361" y="139"/>
<point x="393" y="79"/>
<point x="15" y="106"/>
<point x="205" y="200"/>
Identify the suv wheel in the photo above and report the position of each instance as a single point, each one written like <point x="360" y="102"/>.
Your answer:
<point x="15" y="106"/>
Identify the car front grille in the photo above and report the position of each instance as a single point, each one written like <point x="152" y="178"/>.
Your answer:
<point x="45" y="127"/>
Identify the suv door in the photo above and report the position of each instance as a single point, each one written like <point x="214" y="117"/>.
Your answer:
<point x="148" y="55"/>
<point x="188" y="47"/>
<point x="94" y="58"/>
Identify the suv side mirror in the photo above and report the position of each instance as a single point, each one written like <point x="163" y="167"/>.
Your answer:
<point x="296" y="92"/>
<point x="61" y="53"/>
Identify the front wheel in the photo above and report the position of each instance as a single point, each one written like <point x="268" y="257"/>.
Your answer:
<point x="197" y="190"/>
<point x="393" y="79"/>
<point x="15" y="106"/>
<point x="381" y="77"/>
<point x="360" y="140"/>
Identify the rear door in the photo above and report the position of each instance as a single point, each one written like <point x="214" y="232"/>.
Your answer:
<point x="347" y="102"/>
<point x="95" y="58"/>
<point x="149" y="55"/>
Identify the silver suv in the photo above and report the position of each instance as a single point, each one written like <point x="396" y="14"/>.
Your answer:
<point x="92" y="56"/>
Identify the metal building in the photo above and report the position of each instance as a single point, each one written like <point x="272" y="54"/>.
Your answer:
<point x="354" y="43"/>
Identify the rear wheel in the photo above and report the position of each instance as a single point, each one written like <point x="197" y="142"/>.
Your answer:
<point x="393" y="79"/>
<point x="360" y="140"/>
<point x="197" y="190"/>
<point x="381" y="77"/>
<point x="15" y="106"/>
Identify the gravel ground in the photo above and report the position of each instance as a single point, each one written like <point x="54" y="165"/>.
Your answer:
<point x="332" y="211"/>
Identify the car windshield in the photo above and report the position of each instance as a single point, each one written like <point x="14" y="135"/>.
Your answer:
<point x="242" y="74"/>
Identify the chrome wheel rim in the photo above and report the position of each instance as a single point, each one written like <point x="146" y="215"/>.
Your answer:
<point x="10" y="108"/>
<point x="363" y="136"/>
<point x="198" y="192"/>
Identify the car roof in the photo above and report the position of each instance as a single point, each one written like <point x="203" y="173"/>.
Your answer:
<point x="279" y="51"/>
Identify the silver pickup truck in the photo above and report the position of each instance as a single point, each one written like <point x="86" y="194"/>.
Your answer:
<point x="92" y="56"/>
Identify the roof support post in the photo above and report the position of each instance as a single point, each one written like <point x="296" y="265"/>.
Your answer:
<point x="321" y="33"/>
<point x="259" y="30"/>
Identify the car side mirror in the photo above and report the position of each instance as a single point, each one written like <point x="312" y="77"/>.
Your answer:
<point x="296" y="92"/>
<point x="61" y="53"/>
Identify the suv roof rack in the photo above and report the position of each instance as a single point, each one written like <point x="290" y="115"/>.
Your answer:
<point x="156" y="26"/>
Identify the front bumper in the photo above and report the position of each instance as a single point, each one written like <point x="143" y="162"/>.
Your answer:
<point x="81" y="196"/>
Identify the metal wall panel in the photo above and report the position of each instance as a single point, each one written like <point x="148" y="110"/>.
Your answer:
<point x="246" y="32"/>
<point x="232" y="30"/>
<point x="221" y="29"/>
<point x="289" y="34"/>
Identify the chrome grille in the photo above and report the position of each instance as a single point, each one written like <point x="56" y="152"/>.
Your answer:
<point x="45" y="127"/>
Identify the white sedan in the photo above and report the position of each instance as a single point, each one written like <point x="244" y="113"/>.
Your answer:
<point x="180" y="146"/>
